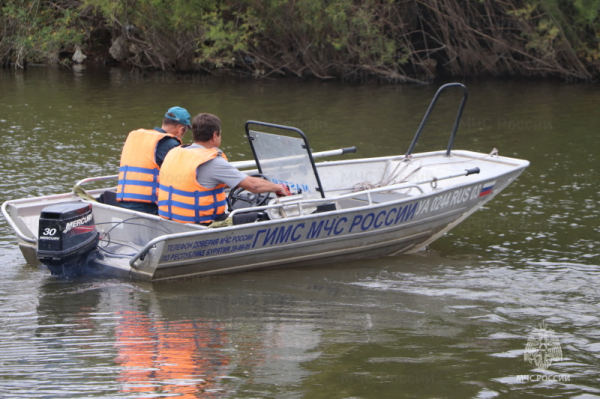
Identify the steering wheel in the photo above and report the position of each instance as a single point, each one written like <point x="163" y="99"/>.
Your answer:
<point x="239" y="198"/>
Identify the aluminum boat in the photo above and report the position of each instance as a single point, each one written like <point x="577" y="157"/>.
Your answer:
<point x="339" y="211"/>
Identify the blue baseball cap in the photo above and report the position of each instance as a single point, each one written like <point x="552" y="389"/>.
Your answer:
<point x="179" y="115"/>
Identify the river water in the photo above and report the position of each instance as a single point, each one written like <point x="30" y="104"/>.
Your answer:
<point x="449" y="322"/>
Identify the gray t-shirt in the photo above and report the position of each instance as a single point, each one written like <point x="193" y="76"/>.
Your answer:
<point x="217" y="171"/>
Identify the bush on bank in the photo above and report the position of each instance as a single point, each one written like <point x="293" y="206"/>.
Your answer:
<point x="402" y="40"/>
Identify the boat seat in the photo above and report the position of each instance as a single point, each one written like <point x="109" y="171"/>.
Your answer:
<point x="248" y="217"/>
<point x="108" y="198"/>
<point x="331" y="206"/>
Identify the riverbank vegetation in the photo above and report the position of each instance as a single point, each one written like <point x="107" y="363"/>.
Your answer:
<point x="400" y="41"/>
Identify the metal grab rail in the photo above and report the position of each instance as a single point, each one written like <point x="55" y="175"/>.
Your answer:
<point x="322" y="154"/>
<point x="14" y="226"/>
<point x="237" y="164"/>
<point x="92" y="179"/>
<point x="303" y="202"/>
<point x="456" y="121"/>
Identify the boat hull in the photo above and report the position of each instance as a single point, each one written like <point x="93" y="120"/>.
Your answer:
<point x="360" y="226"/>
<point x="391" y="228"/>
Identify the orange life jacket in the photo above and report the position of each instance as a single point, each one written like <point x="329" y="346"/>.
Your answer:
<point x="138" y="174"/>
<point x="180" y="196"/>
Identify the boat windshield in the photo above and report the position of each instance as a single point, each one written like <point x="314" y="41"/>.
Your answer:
<point x="285" y="159"/>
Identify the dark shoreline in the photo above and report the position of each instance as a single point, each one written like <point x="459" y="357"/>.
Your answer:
<point x="185" y="77"/>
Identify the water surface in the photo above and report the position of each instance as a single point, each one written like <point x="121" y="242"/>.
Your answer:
<point x="449" y="322"/>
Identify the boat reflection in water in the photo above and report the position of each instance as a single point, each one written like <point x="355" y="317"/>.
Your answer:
<point x="179" y="358"/>
<point x="216" y="337"/>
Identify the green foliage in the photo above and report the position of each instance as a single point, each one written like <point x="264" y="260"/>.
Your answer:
<point x="586" y="11"/>
<point x="225" y="37"/>
<point x="543" y="36"/>
<point x="326" y="38"/>
<point x="578" y="21"/>
<point x="38" y="30"/>
<point x="323" y="38"/>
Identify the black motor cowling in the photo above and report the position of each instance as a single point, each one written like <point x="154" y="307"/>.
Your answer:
<point x="67" y="234"/>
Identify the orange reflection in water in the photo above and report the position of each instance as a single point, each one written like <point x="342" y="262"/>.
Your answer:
<point x="180" y="358"/>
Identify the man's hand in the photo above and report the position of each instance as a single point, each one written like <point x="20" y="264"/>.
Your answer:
<point x="256" y="185"/>
<point x="285" y="190"/>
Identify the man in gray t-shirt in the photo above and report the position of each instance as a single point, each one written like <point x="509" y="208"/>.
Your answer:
<point x="217" y="171"/>
<point x="206" y="129"/>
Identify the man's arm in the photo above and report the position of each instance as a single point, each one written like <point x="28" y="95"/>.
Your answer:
<point x="219" y="171"/>
<point x="257" y="185"/>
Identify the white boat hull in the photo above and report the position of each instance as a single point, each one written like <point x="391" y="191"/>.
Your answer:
<point x="364" y="224"/>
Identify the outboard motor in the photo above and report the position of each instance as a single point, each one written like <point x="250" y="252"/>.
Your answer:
<point x="67" y="234"/>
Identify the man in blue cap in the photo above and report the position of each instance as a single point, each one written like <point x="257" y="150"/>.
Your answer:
<point x="142" y="156"/>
